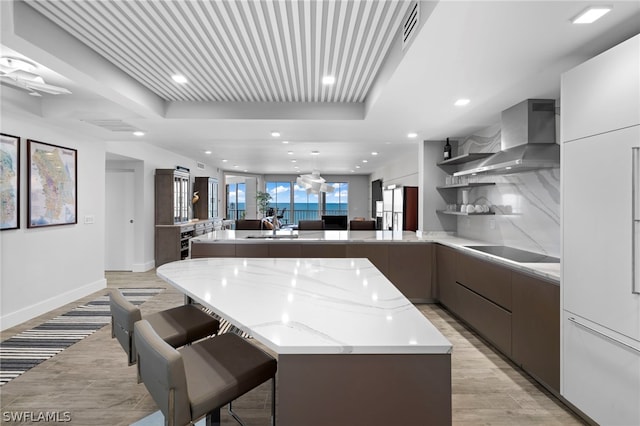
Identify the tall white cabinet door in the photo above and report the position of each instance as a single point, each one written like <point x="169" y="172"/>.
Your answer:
<point x="597" y="230"/>
<point x="602" y="94"/>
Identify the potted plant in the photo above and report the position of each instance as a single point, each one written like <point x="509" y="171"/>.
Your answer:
<point x="263" y="199"/>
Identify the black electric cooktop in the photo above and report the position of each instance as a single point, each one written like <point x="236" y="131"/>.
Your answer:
<point x="516" y="255"/>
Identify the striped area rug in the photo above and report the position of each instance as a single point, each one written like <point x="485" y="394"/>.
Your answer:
<point x="25" y="350"/>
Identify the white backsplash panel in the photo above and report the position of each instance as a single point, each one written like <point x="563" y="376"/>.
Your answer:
<point x="526" y="205"/>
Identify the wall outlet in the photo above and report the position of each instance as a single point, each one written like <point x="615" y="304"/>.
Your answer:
<point x="89" y="219"/>
<point x="492" y="224"/>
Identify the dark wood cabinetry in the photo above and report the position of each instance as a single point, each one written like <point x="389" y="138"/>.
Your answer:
<point x="172" y="209"/>
<point x="536" y="328"/>
<point x="446" y="269"/>
<point x="516" y="312"/>
<point x="410" y="269"/>
<point x="207" y="205"/>
<point x="488" y="279"/>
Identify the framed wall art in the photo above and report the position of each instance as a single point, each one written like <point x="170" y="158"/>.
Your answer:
<point x="9" y="182"/>
<point x="53" y="185"/>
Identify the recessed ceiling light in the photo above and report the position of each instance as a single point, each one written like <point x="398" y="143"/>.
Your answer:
<point x="208" y="152"/>
<point x="290" y="152"/>
<point x="357" y="167"/>
<point x="328" y="80"/>
<point x="275" y="134"/>
<point x="285" y="142"/>
<point x="412" y="135"/>
<point x="374" y="153"/>
<point x="138" y="133"/>
<point x="224" y="161"/>
<point x="591" y="15"/>
<point x="315" y="152"/>
<point x="294" y="161"/>
<point x="462" y="102"/>
<point x="179" y="78"/>
<point x="235" y="166"/>
<point x="365" y="161"/>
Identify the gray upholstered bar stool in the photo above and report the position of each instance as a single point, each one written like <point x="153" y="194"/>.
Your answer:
<point x="197" y="380"/>
<point x="177" y="326"/>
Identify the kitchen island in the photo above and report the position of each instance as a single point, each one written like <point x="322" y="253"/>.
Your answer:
<point x="289" y="243"/>
<point x="351" y="348"/>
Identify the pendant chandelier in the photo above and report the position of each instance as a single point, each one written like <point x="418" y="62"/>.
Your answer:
<point x="313" y="183"/>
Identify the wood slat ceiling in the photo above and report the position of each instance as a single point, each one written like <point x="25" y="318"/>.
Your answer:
<point x="238" y="51"/>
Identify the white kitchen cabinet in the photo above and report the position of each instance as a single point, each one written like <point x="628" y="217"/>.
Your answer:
<point x="600" y="362"/>
<point x="597" y="230"/>
<point x="601" y="378"/>
<point x="603" y="93"/>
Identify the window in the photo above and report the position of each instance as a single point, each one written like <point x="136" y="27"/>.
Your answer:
<point x="336" y="202"/>
<point x="280" y="198"/>
<point x="305" y="206"/>
<point x="236" y="207"/>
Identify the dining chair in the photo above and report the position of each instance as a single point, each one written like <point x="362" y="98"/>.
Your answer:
<point x="177" y="326"/>
<point x="362" y="225"/>
<point x="197" y="380"/>
<point x="308" y="225"/>
<point x="248" y="224"/>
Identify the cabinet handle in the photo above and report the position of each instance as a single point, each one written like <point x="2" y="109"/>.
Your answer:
<point x="613" y="339"/>
<point x="635" y="218"/>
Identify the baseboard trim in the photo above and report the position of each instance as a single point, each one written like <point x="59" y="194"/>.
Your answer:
<point x="144" y="267"/>
<point x="25" y="314"/>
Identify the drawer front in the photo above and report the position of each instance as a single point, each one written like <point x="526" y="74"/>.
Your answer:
<point x="489" y="319"/>
<point x="485" y="278"/>
<point x="212" y="250"/>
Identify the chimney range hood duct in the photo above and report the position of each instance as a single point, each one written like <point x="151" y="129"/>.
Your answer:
<point x="528" y="140"/>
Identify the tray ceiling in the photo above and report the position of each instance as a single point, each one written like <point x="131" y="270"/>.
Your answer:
<point x="241" y="51"/>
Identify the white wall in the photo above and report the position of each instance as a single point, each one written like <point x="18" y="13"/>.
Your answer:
<point x="429" y="198"/>
<point x="146" y="159"/>
<point x="45" y="268"/>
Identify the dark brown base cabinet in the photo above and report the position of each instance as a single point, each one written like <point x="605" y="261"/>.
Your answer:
<point x="518" y="313"/>
<point x="535" y="341"/>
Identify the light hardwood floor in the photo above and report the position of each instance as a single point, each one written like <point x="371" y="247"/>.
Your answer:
<point x="92" y="382"/>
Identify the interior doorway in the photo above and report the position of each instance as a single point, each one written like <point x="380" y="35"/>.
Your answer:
<point x="119" y="223"/>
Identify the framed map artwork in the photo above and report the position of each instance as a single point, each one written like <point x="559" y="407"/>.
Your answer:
<point x="52" y="185"/>
<point x="9" y="182"/>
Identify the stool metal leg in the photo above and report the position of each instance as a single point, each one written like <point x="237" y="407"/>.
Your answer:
<point x="213" y="418"/>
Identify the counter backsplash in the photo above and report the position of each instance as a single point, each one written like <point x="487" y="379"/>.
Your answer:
<point x="527" y="204"/>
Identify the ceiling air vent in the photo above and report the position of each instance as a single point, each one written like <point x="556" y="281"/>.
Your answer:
<point x="410" y="24"/>
<point x="113" y="125"/>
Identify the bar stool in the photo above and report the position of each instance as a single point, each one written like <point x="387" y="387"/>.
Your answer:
<point x="197" y="380"/>
<point x="177" y="326"/>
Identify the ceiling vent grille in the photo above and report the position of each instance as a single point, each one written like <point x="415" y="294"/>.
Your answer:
<point x="112" y="125"/>
<point x="410" y="24"/>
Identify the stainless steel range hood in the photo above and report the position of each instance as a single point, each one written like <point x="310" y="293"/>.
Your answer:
<point x="528" y="140"/>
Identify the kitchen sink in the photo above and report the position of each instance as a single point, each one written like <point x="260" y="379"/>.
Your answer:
<point x="515" y="254"/>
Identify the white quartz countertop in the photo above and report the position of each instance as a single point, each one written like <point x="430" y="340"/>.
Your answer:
<point x="309" y="306"/>
<point x="549" y="271"/>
